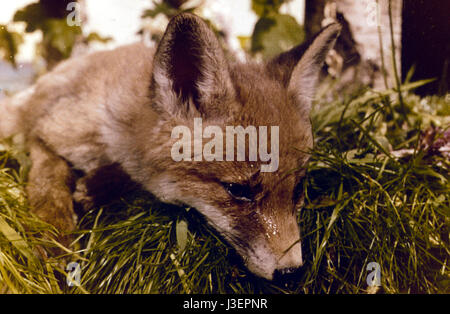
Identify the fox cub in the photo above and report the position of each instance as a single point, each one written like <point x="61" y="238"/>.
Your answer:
<point x="116" y="110"/>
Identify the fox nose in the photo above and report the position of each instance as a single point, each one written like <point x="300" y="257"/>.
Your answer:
<point x="291" y="259"/>
<point x="288" y="269"/>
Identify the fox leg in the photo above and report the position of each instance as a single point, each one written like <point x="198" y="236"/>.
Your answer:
<point x="49" y="191"/>
<point x="101" y="186"/>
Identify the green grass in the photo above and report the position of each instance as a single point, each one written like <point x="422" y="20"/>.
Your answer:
<point x="364" y="204"/>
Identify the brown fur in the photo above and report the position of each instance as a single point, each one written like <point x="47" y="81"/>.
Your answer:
<point x="118" y="109"/>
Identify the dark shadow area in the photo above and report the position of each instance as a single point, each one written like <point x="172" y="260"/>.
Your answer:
<point x="426" y="43"/>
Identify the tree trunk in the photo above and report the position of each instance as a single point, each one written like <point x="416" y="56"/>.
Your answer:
<point x="364" y="49"/>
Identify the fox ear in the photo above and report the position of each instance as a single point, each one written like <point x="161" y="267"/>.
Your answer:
<point x="190" y="72"/>
<point x="298" y="69"/>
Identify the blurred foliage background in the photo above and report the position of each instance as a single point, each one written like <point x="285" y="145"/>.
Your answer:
<point x="62" y="28"/>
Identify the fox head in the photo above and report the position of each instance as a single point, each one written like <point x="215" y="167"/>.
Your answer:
<point x="255" y="211"/>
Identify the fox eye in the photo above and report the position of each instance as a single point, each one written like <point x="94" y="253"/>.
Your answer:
<point x="240" y="192"/>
